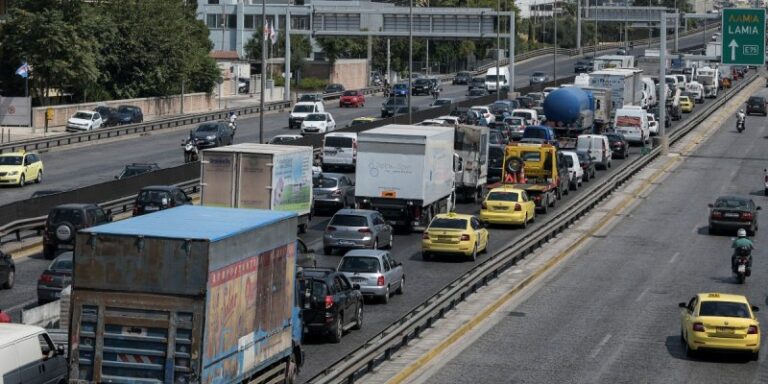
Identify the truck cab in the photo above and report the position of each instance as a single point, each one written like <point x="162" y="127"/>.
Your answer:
<point x="537" y="169"/>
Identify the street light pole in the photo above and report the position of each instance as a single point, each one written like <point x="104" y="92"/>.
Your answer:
<point x="498" y="46"/>
<point x="410" y="60"/>
<point x="263" y="68"/>
<point x="554" y="52"/>
<point x="578" y="27"/>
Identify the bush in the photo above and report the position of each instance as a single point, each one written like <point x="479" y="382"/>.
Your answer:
<point x="312" y="84"/>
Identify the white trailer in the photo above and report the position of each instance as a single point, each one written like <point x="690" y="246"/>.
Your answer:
<point x="407" y="173"/>
<point x="709" y="78"/>
<point x="626" y="85"/>
<point x="614" y="61"/>
<point x="259" y="176"/>
<point x="471" y="145"/>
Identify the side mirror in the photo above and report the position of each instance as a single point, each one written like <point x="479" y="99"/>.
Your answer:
<point x="755" y="308"/>
<point x="356" y="287"/>
<point x="60" y="349"/>
<point x="710" y="205"/>
<point x="682" y="305"/>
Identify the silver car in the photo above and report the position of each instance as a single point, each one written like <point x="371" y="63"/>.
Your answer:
<point x="332" y="191"/>
<point x="355" y="229"/>
<point x="539" y="78"/>
<point x="377" y="273"/>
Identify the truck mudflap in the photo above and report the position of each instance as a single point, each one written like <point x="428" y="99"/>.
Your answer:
<point x="134" y="338"/>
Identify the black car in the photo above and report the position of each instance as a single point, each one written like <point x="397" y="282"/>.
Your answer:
<point x="158" y="197"/>
<point x="7" y="271"/>
<point x="135" y="169"/>
<point x="211" y="135"/>
<point x="55" y="278"/>
<point x="330" y="303"/>
<point x="587" y="165"/>
<point x="129" y="114"/>
<point x="462" y="78"/>
<point x="311" y="97"/>
<point x="421" y="87"/>
<point x="442" y="101"/>
<point x="477" y="92"/>
<point x="619" y="145"/>
<point x="495" y="162"/>
<point x="733" y="212"/>
<point x="476" y="82"/>
<point x="45" y="192"/>
<point x="756" y="104"/>
<point x="334" y="88"/>
<point x="396" y="105"/>
<point x="108" y="116"/>
<point x="64" y="221"/>
<point x="503" y="108"/>
<point x="583" y="67"/>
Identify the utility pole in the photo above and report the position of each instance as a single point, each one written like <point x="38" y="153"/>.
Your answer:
<point x="512" y="36"/>
<point x="554" y="52"/>
<point x="410" y="60"/>
<point x="264" y="38"/>
<point x="389" y="80"/>
<point x="287" y="55"/>
<point x="578" y="27"/>
<point x="662" y="83"/>
<point x="498" y="47"/>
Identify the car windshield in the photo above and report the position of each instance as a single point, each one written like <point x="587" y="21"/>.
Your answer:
<point x="208" y="128"/>
<point x="401" y="86"/>
<point x="724" y="309"/>
<point x="359" y="264"/>
<point x="69" y="215"/>
<point x="10" y="160"/>
<point x="307" y="98"/>
<point x="303" y="108"/>
<point x="503" y="196"/>
<point x="583" y="158"/>
<point x="535" y="134"/>
<point x="398" y="101"/>
<point x="538" y="74"/>
<point x="613" y="137"/>
<point x="349" y="221"/>
<point x="524" y="115"/>
<point x="324" y="182"/>
<point x="338" y="142"/>
<point x="61" y="264"/>
<point x="82" y="115"/>
<point x="447" y="223"/>
<point x="495" y="137"/>
<point x="124" y="110"/>
<point x="350" y="93"/>
<point x="421" y="82"/>
<point x="280" y="140"/>
<point x="730" y="203"/>
<point x="315" y="117"/>
<point x="153" y="196"/>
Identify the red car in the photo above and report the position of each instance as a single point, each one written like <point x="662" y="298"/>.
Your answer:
<point x="352" y="98"/>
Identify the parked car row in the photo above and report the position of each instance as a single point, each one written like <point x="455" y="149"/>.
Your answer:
<point x="104" y="116"/>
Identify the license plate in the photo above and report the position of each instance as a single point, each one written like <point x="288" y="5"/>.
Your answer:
<point x="150" y="208"/>
<point x="732" y="214"/>
<point x="742" y="268"/>
<point x="501" y="208"/>
<point x="359" y="279"/>
<point x="724" y="330"/>
<point x="346" y="242"/>
<point x="330" y="152"/>
<point x="66" y="246"/>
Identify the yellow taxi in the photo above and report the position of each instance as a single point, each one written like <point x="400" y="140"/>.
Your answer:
<point x="362" y="120"/>
<point x="719" y="321"/>
<point x="18" y="168"/>
<point x="454" y="233"/>
<point x="507" y="205"/>
<point x="686" y="104"/>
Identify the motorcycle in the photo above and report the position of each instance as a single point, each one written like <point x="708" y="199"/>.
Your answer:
<point x="765" y="181"/>
<point x="233" y="127"/>
<point x="191" y="150"/>
<point x="740" y="125"/>
<point x="742" y="268"/>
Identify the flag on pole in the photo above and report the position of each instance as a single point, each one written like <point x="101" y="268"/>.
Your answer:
<point x="266" y="31"/>
<point x="273" y="34"/>
<point x="23" y="70"/>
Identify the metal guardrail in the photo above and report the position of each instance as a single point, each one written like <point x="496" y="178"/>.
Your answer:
<point x="382" y="346"/>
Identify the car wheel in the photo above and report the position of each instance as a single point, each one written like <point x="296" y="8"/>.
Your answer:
<point x="525" y="222"/>
<point x="21" y="181"/>
<point x="544" y="207"/>
<point x="359" y="318"/>
<point x="391" y="241"/>
<point x="711" y="230"/>
<point x="49" y="253"/>
<point x="385" y="297"/>
<point x="328" y="250"/>
<point x="426" y="256"/>
<point x="401" y="288"/>
<point x="751" y="231"/>
<point x="474" y="253"/>
<point x="11" y="279"/>
<point x="338" y="330"/>
<point x="688" y="351"/>
<point x="39" y="178"/>
<point x="755" y="356"/>
<point x="375" y="244"/>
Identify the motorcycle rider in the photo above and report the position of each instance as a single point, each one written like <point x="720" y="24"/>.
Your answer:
<point x="742" y="242"/>
<point x="233" y="120"/>
<point x="436" y="92"/>
<point x="740" y="116"/>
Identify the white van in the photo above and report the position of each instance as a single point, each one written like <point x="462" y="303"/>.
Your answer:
<point x="681" y="82"/>
<point x="672" y="82"/>
<point x="491" y="78"/>
<point x="597" y="147"/>
<point x="697" y="90"/>
<point x="28" y="355"/>
<point x="632" y="122"/>
<point x="575" y="172"/>
<point x="301" y="110"/>
<point x="340" y="150"/>
<point x="650" y="88"/>
<point x="530" y="116"/>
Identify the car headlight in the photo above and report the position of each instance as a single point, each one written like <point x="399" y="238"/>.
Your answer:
<point x="322" y="125"/>
<point x="210" y="137"/>
<point x="13" y="173"/>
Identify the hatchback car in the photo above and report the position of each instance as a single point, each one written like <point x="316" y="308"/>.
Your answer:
<point x="84" y="121"/>
<point x="619" y="145"/>
<point x="210" y="135"/>
<point x="686" y="104"/>
<point x="332" y="191"/>
<point x="507" y="205"/>
<point x="588" y="165"/>
<point x="64" y="221"/>
<point x="129" y="114"/>
<point x="55" y="278"/>
<point x="330" y="303"/>
<point x="315" y="123"/>
<point x="108" y="115"/>
<point x="7" y="271"/>
<point x="377" y="273"/>
<point x="462" y="78"/>
<point x="454" y="234"/>
<point x="719" y="322"/>
<point x="757" y="104"/>
<point x="334" y="88"/>
<point x="357" y="228"/>
<point x="733" y="213"/>
<point x="399" y="89"/>
<point x="352" y="99"/>
<point x="158" y="197"/>
<point x="538" y="78"/>
<point x="421" y="87"/>
<point x="135" y="169"/>
<point x="16" y="168"/>
<point x="284" y="139"/>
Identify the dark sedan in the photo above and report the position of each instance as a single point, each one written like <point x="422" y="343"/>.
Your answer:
<point x="733" y="213"/>
<point x="476" y="82"/>
<point x="158" y="197"/>
<point x="55" y="278"/>
<point x="108" y="116"/>
<point x="587" y="165"/>
<point x="421" y="87"/>
<point x="213" y="135"/>
<point x="462" y="78"/>
<point x="332" y="191"/>
<point x="128" y="114"/>
<point x="757" y="104"/>
<point x="582" y="67"/>
<point x="135" y="169"/>
<point x="477" y="92"/>
<point x="619" y="145"/>
<point x="334" y="88"/>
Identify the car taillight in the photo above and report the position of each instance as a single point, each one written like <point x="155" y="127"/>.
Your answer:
<point x="746" y="216"/>
<point x="45" y="279"/>
<point x="698" y="327"/>
<point x="483" y="205"/>
<point x="365" y="230"/>
<point x="425" y="236"/>
<point x="330" y="229"/>
<point x="328" y="302"/>
<point x="336" y="192"/>
<point x="464" y="237"/>
<point x="380" y="281"/>
<point x="518" y="207"/>
<point x="752" y="330"/>
<point x="717" y="214"/>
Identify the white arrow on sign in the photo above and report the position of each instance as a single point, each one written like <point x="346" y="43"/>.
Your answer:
<point x="733" y="45"/>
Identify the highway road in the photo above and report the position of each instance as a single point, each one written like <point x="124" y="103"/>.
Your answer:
<point x="73" y="167"/>
<point x="610" y="314"/>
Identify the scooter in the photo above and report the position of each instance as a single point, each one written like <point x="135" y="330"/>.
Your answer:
<point x="191" y="150"/>
<point x="742" y="268"/>
<point x="740" y="125"/>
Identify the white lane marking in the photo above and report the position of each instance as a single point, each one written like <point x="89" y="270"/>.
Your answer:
<point x="642" y="294"/>
<point x="674" y="257"/>
<point x="599" y="346"/>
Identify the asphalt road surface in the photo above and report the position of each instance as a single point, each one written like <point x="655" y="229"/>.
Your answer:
<point x="610" y="314"/>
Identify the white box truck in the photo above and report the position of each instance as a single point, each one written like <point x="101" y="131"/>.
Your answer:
<point x="614" y="61"/>
<point x="471" y="145"/>
<point x="626" y="84"/>
<point x="259" y="176"/>
<point x="709" y="78"/>
<point x="406" y="172"/>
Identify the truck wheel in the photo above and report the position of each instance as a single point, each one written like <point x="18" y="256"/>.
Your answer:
<point x="291" y="371"/>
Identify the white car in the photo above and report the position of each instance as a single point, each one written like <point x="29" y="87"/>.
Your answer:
<point x="575" y="172"/>
<point x="318" y="123"/>
<point x="84" y="121"/>
<point x="283" y="139"/>
<point x="449" y="119"/>
<point x="484" y="112"/>
<point x="653" y="125"/>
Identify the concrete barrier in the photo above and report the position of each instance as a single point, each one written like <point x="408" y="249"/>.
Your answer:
<point x="46" y="315"/>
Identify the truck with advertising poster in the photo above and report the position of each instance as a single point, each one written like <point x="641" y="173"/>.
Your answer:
<point x="471" y="144"/>
<point x="626" y="85"/>
<point x="190" y="294"/>
<point x="260" y="176"/>
<point x="407" y="173"/>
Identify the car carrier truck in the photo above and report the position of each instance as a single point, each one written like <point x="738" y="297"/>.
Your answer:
<point x="186" y="295"/>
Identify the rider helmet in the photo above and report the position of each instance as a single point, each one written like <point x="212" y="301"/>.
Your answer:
<point x="741" y="232"/>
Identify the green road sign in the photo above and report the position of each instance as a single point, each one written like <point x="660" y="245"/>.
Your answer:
<point x="743" y="36"/>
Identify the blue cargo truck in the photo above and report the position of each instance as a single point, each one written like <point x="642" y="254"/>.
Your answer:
<point x="187" y="295"/>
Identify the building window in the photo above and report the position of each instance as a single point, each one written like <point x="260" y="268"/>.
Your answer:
<point x="248" y="22"/>
<point x="213" y="1"/>
<point x="231" y="21"/>
<point x="213" y="20"/>
<point x="300" y="22"/>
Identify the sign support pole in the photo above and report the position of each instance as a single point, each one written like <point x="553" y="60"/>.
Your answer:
<point x="662" y="85"/>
